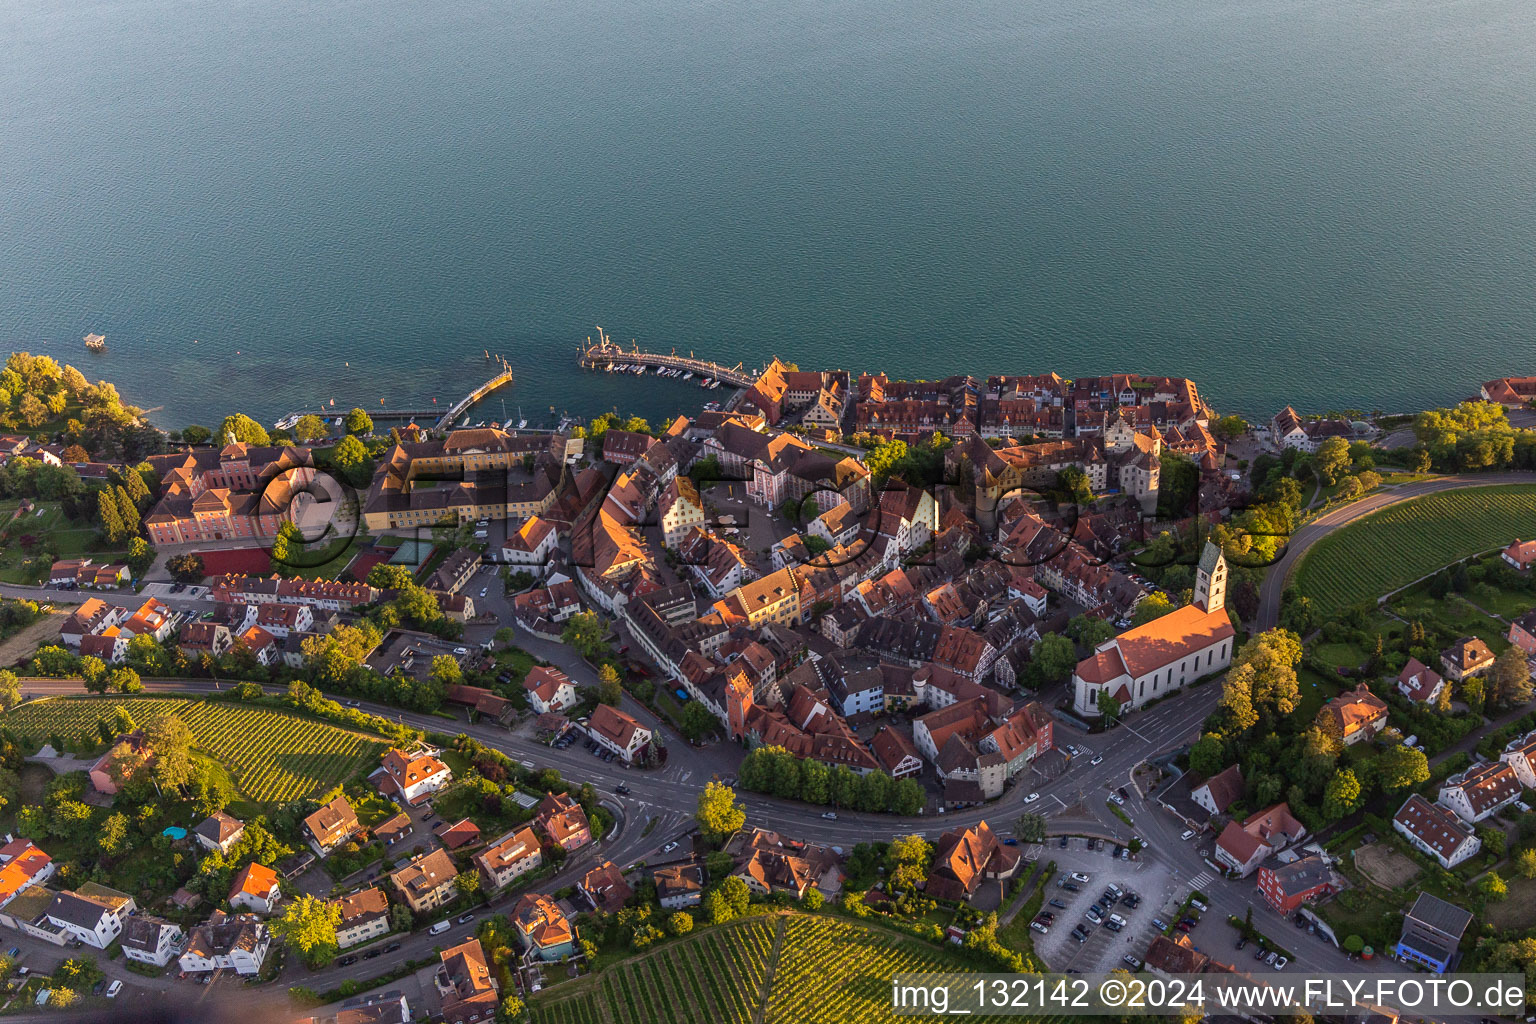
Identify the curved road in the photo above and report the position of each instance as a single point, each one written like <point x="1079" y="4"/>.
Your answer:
<point x="1317" y="529"/>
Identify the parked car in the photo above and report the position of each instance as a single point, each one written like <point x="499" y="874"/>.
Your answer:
<point x="1063" y="842"/>
<point x="1242" y="941"/>
<point x="466" y="918"/>
<point x="346" y="961"/>
<point x="113" y="989"/>
<point x="1078" y="876"/>
<point x="1199" y="904"/>
<point x="1094" y="915"/>
<point x="1131" y="962"/>
<point x="439" y="928"/>
<point x="393" y="947"/>
<point x="1125" y="854"/>
<point x="1071" y="887"/>
<point x="1187" y="834"/>
<point x="1041" y="928"/>
<point x="830" y="815"/>
<point x="1158" y="923"/>
<point x="1271" y="957"/>
<point x="669" y="847"/>
<point x="1185" y="926"/>
<point x="1058" y="904"/>
<point x="1010" y="841"/>
<point x="1258" y="954"/>
<point x="1113" y="925"/>
<point x="1280" y="963"/>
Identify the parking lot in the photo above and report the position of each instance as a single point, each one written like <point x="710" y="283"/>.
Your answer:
<point x="1103" y="948"/>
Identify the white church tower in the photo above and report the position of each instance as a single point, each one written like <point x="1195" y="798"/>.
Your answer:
<point x="1211" y="580"/>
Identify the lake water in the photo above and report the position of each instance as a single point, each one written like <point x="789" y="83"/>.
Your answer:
<point x="1290" y="201"/>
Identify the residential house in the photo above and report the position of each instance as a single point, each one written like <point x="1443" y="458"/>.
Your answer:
<point x="454" y="835"/>
<point x="236" y="943"/>
<point x="1357" y="715"/>
<point x="681" y="510"/>
<point x="255" y="889"/>
<point x="549" y="690"/>
<point x="211" y="638"/>
<point x="964" y="858"/>
<point x="426" y="882"/>
<point x="1436" y="831"/>
<point x="618" y="731"/>
<point x="532" y="545"/>
<point x="455" y="571"/>
<point x="509" y="858"/>
<point x="92" y="914"/>
<point x="1419" y="683"/>
<point x="895" y="753"/>
<point x="1467" y="657"/>
<point x="364" y="917"/>
<point x="1480" y="791"/>
<point x="605" y="888"/>
<point x="149" y="940"/>
<point x="22" y="865"/>
<point x="1163" y="655"/>
<point x="390" y="1007"/>
<point x="331" y="825"/>
<point x="1220" y="791"/>
<point x="125" y="759"/>
<point x="412" y="777"/>
<point x="679" y="886"/>
<point x="1520" y="554"/>
<point x="1243" y="847"/>
<point x="1306" y="880"/>
<point x="466" y="988"/>
<point x="393" y="830"/>
<point x="769" y="863"/>
<point x="1522" y="632"/>
<point x="1431" y="934"/>
<point x="562" y="822"/>
<point x="1510" y="392"/>
<point x="219" y="832"/>
<point x="1520" y="754"/>
<point x="543" y="932"/>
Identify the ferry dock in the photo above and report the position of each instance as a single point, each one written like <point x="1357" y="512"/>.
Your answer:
<point x="611" y="358"/>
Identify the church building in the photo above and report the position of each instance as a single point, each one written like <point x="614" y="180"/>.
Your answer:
<point x="1165" y="654"/>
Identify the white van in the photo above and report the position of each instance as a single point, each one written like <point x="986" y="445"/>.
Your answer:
<point x="440" y="927"/>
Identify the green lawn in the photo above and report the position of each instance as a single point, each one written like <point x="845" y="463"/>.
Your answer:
<point x="26" y="565"/>
<point x="1397" y="545"/>
<point x="1453" y="612"/>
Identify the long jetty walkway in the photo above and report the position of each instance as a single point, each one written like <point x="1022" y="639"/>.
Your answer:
<point x="605" y="353"/>
<point x="459" y="407"/>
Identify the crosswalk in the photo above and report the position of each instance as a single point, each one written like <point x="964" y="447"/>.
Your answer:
<point x="1200" y="881"/>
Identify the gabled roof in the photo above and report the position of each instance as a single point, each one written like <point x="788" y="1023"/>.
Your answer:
<point x="1226" y="786"/>
<point x="219" y="828"/>
<point x="254" y="880"/>
<point x="1435" y="826"/>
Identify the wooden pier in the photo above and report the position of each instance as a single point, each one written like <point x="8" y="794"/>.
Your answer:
<point x="463" y="404"/>
<point x="605" y="353"/>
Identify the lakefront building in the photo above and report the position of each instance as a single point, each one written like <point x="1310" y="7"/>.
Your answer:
<point x="1165" y="654"/>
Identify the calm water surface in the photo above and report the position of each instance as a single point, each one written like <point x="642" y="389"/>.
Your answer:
<point x="1290" y="201"/>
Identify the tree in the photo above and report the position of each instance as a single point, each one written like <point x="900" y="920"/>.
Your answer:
<point x="510" y="1010"/>
<point x="1109" y="704"/>
<point x="446" y="670"/>
<point x="1342" y="794"/>
<point x="32" y="411"/>
<point x="1511" y="678"/>
<point x="1056" y="657"/>
<point x="171" y="741"/>
<point x="358" y="422"/>
<point x="140" y="556"/>
<point x="114" y="832"/>
<point x="1494" y="840"/>
<point x="737" y="896"/>
<point x="907" y="798"/>
<point x="587" y="633"/>
<point x="467" y="882"/>
<point x="10" y="690"/>
<point x="1029" y="828"/>
<point x="1400" y="767"/>
<point x="1154" y="606"/>
<point x="241" y="427"/>
<point x="907" y="860"/>
<point x="185" y="568"/>
<point x="1207" y="755"/>
<point x="1237" y="700"/>
<point x="813" y="900"/>
<point x="350" y="456"/>
<point x="60" y="996"/>
<point x="1493" y="887"/>
<point x="309" y="925"/>
<point x="309" y="428"/>
<point x="1472" y="694"/>
<point x="719" y="814"/>
<point x="1268" y="662"/>
<point x="1331" y="459"/>
<point x="110" y="518"/>
<point x="124" y="680"/>
<point x="609" y="690"/>
<point x="696" y="721"/>
<point x="680" y="923"/>
<point x="1089" y="630"/>
<point x="1525" y="863"/>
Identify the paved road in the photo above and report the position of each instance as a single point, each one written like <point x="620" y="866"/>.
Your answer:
<point x="1312" y="532"/>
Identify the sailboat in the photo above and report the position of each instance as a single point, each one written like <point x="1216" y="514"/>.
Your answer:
<point x="521" y="420"/>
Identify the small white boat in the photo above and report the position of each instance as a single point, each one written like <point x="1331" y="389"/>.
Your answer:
<point x="688" y="375"/>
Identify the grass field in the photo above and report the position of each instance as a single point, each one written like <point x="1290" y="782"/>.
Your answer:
<point x="272" y="756"/>
<point x="46" y="521"/>
<point x="1399" y="544"/>
<point x="795" y="969"/>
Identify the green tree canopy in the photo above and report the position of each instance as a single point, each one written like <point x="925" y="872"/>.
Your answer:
<point x="358" y="422"/>
<point x="240" y="427"/>
<point x="719" y="813"/>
